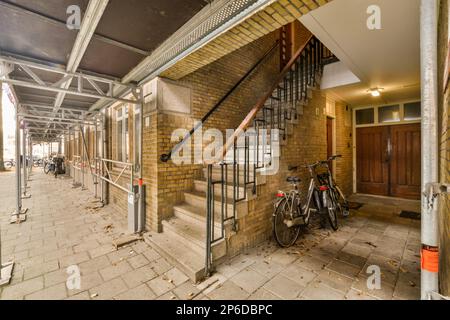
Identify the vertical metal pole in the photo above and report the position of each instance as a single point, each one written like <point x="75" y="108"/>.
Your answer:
<point x="18" y="166"/>
<point x="24" y="162"/>
<point x="141" y="211"/>
<point x="102" y="156"/>
<point x="430" y="171"/>
<point x="82" y="160"/>
<point x="95" y="158"/>
<point x="30" y="151"/>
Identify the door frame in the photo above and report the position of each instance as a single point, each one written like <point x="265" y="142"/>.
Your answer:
<point x="333" y="140"/>
<point x="376" y="124"/>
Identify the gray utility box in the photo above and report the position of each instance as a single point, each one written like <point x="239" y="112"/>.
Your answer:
<point x="136" y="223"/>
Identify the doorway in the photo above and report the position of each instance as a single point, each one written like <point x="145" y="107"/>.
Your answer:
<point x="389" y="160"/>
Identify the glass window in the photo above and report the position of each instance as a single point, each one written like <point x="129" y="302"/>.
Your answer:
<point x="389" y="114"/>
<point x="412" y="111"/>
<point x="365" y="116"/>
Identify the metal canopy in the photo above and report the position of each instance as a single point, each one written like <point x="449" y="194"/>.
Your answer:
<point x="58" y="73"/>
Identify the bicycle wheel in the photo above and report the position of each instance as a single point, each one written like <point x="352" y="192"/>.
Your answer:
<point x="284" y="235"/>
<point x="332" y="208"/>
<point x="343" y="203"/>
<point x="8" y="164"/>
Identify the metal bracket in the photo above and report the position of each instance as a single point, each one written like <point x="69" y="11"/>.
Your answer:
<point x="433" y="190"/>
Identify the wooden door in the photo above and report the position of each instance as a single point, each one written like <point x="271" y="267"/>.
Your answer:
<point x="405" y="161"/>
<point x="372" y="160"/>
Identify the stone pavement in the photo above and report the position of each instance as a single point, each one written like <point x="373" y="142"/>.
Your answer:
<point x="64" y="230"/>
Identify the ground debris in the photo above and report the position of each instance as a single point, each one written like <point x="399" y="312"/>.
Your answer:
<point x="371" y="244"/>
<point x="122" y="241"/>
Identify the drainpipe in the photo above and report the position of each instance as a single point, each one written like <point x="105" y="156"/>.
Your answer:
<point x="430" y="171"/>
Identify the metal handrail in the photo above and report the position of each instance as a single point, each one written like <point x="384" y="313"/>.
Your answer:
<point x="166" y="157"/>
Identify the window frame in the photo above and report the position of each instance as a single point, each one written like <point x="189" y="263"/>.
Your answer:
<point x="376" y="114"/>
<point x="122" y="153"/>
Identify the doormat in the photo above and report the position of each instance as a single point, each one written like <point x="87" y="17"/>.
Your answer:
<point x="410" y="215"/>
<point x="354" y="205"/>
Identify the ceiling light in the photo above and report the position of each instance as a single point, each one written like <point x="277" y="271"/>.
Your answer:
<point x="375" y="92"/>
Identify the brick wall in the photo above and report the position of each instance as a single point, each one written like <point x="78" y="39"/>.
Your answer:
<point x="444" y="116"/>
<point x="344" y="147"/>
<point x="307" y="144"/>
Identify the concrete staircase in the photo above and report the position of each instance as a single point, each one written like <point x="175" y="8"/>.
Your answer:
<point x="183" y="240"/>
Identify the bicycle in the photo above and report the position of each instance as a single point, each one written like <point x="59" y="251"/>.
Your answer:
<point x="9" y="163"/>
<point x="289" y="214"/>
<point x="336" y="193"/>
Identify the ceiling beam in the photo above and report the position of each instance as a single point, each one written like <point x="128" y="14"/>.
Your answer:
<point x="116" y="43"/>
<point x="91" y="19"/>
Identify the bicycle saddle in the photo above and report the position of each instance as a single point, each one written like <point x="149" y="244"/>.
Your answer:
<point x="293" y="179"/>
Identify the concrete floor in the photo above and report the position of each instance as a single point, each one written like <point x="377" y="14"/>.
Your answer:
<point x="63" y="230"/>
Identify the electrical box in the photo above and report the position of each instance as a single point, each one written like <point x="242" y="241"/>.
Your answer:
<point x="136" y="221"/>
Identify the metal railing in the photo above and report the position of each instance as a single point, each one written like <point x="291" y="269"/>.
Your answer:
<point x="167" y="156"/>
<point x="248" y="151"/>
<point x="107" y="174"/>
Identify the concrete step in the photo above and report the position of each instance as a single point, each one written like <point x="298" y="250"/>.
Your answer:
<point x="195" y="234"/>
<point x="201" y="186"/>
<point x="198" y="199"/>
<point x="178" y="253"/>
<point x="193" y="214"/>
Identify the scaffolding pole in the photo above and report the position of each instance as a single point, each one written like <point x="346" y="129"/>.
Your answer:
<point x="95" y="160"/>
<point x="19" y="214"/>
<point x="24" y="165"/>
<point x="430" y="171"/>
<point x="83" y="187"/>
<point x="141" y="210"/>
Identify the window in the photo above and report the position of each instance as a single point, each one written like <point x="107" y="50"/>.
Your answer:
<point x="365" y="116"/>
<point x="122" y="134"/>
<point x="412" y="111"/>
<point x="389" y="114"/>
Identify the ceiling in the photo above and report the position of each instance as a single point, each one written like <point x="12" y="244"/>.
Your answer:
<point x="127" y="33"/>
<point x="388" y="58"/>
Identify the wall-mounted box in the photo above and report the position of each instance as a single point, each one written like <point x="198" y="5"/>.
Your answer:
<point x="164" y="95"/>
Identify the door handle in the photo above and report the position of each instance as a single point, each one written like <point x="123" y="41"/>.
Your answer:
<point x="388" y="150"/>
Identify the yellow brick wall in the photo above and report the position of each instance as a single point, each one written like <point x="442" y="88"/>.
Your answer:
<point x="344" y="147"/>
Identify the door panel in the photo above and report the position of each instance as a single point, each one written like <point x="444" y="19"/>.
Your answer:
<point x="405" y="161"/>
<point x="372" y="160"/>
